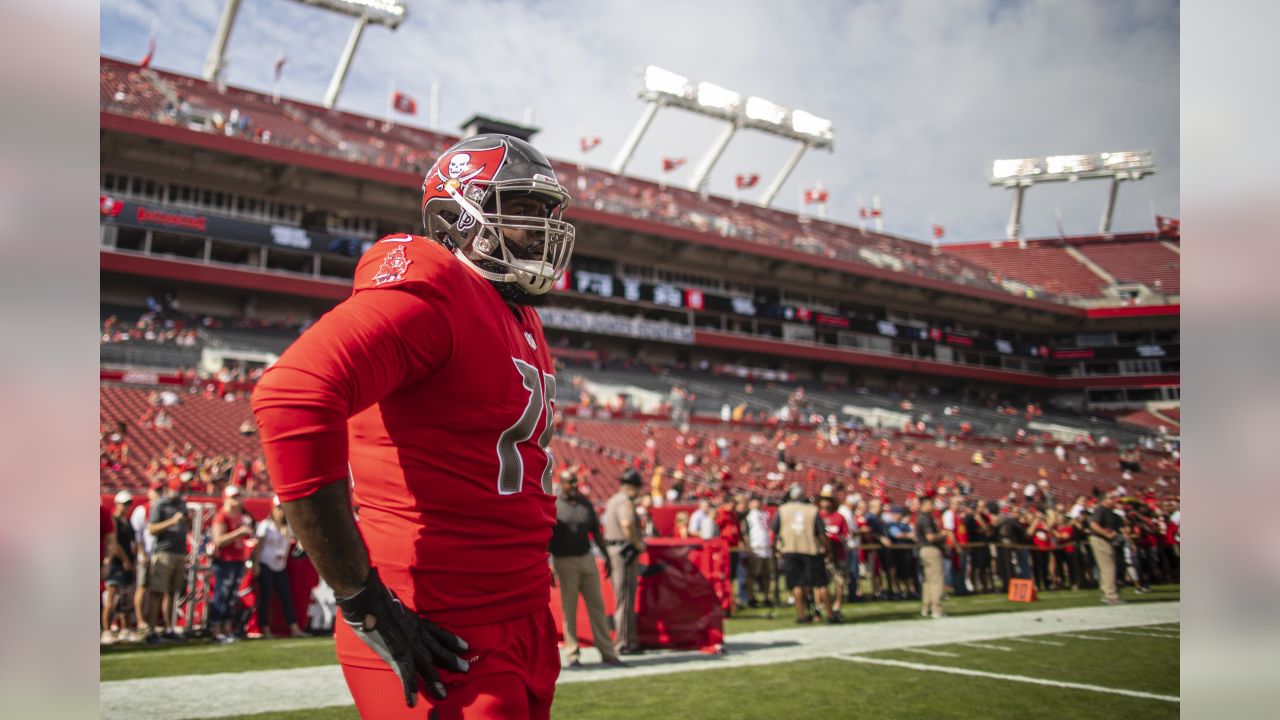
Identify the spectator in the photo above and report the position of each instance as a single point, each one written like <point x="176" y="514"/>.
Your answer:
<point x="270" y="561"/>
<point x="144" y="543"/>
<point x="1104" y="536"/>
<point x="232" y="526"/>
<point x="932" y="541"/>
<point x="837" y="531"/>
<point x="119" y="569"/>
<point x="760" y="559"/>
<point x="169" y="525"/>
<point x="701" y="522"/>
<point x="574" y="570"/>
<point x="729" y="529"/>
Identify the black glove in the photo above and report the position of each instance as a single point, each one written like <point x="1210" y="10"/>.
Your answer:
<point x="411" y="645"/>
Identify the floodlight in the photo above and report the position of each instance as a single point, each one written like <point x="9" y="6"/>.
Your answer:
<point x="657" y="80"/>
<point x="1008" y="169"/>
<point x="714" y="97"/>
<point x="1127" y="160"/>
<point x="380" y="12"/>
<point x="758" y="108"/>
<point x="810" y="124"/>
<point x="1070" y="164"/>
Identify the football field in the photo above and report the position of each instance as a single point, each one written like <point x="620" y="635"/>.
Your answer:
<point x="1064" y="656"/>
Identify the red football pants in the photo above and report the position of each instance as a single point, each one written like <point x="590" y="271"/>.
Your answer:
<point x="514" y="666"/>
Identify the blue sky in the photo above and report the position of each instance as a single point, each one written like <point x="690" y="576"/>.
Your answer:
<point x="923" y="94"/>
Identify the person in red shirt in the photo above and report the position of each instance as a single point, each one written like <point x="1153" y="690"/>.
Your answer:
<point x="837" y="529"/>
<point x="730" y="525"/>
<point x="427" y="397"/>
<point x="232" y="526"/>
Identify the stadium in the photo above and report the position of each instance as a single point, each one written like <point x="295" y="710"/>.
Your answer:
<point x="721" y="348"/>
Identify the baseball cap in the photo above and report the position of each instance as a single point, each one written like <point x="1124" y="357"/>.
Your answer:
<point x="630" y="477"/>
<point x="124" y="497"/>
<point x="828" y="491"/>
<point x="275" y="501"/>
<point x="231" y="491"/>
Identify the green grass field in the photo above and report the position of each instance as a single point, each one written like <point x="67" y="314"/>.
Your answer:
<point x="1138" y="659"/>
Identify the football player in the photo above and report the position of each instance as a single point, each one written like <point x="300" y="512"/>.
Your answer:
<point x="426" y="398"/>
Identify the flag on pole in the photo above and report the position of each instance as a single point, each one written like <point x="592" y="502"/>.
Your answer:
<point x="746" y="181"/>
<point x="403" y="103"/>
<point x="939" y="231"/>
<point x="669" y="164"/>
<point x="815" y="196"/>
<point x="151" y="51"/>
<point x="588" y="143"/>
<point x="1169" y="226"/>
<point x="279" y="67"/>
<point x="864" y="213"/>
<point x="875" y="212"/>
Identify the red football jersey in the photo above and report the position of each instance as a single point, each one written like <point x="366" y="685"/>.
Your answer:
<point x="441" y="398"/>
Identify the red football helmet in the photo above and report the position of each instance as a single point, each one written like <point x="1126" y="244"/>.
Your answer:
<point x="467" y="199"/>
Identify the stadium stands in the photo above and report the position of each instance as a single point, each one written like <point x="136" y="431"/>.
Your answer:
<point x="192" y="103"/>
<point x="1043" y="266"/>
<point x="1151" y="263"/>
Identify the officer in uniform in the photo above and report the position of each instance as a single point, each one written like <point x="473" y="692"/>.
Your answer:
<point x="625" y="543"/>
<point x="931" y="539"/>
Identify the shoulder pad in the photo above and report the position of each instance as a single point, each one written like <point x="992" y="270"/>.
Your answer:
<point x="403" y="262"/>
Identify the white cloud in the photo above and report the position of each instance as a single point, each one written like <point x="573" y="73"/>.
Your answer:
<point x="923" y="93"/>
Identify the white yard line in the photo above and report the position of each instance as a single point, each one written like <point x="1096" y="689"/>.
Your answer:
<point x="1000" y="676"/>
<point x="257" y="691"/>
<point x="1036" y="642"/>
<point x="933" y="653"/>
<point x="1163" y="636"/>
<point x="984" y="646"/>
<point x="1084" y="637"/>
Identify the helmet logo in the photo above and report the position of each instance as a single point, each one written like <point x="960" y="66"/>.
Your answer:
<point x="393" y="268"/>
<point x="463" y="167"/>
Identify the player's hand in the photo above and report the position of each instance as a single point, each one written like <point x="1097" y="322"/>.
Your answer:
<point x="413" y="646"/>
<point x="608" y="567"/>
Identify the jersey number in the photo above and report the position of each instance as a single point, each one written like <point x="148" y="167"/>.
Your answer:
<point x="542" y="394"/>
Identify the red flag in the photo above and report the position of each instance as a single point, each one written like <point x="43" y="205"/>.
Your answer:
<point x="588" y="143"/>
<point x="746" y="181"/>
<point x="1169" y="226"/>
<point x="279" y="68"/>
<point x="875" y="212"/>
<point x="818" y="196"/>
<point x="864" y="213"/>
<point x="669" y="164"/>
<point x="151" y="51"/>
<point x="404" y="104"/>
<point x="939" y="231"/>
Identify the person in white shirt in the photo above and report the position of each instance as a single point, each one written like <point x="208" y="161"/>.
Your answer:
<point x="146" y="542"/>
<point x="701" y="523"/>
<point x="760" y="561"/>
<point x="853" y="543"/>
<point x="270" y="561"/>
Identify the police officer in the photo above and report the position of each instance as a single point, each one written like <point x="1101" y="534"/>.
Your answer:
<point x="574" y="569"/>
<point x="625" y="543"/>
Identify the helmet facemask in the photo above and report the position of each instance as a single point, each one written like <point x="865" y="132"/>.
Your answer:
<point x="504" y="246"/>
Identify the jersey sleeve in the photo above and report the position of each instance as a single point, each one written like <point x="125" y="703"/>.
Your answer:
<point x="354" y="356"/>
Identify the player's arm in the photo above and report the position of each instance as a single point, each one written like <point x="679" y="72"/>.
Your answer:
<point x="350" y="359"/>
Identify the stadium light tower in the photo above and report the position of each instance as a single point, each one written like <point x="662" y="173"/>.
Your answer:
<point x="379" y="12"/>
<point x="661" y="88"/>
<point x="1020" y="174"/>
